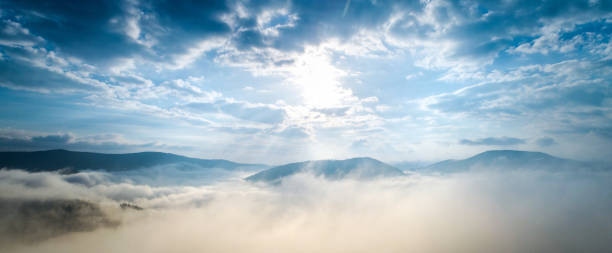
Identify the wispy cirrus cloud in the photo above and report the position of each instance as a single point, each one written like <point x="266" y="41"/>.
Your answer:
<point x="493" y="141"/>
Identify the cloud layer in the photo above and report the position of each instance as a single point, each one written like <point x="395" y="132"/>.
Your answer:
<point x="465" y="212"/>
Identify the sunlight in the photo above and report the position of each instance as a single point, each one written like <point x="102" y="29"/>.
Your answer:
<point x="319" y="80"/>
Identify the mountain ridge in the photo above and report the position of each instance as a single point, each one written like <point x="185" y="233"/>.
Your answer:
<point x="60" y="159"/>
<point x="508" y="159"/>
<point x="358" y="167"/>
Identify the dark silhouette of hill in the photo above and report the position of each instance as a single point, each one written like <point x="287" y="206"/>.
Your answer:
<point x="31" y="221"/>
<point x="358" y="168"/>
<point x="71" y="161"/>
<point x="509" y="160"/>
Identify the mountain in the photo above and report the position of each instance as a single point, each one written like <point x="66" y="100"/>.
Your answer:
<point x="31" y="220"/>
<point x="359" y="168"/>
<point x="508" y="160"/>
<point x="59" y="159"/>
<point x="407" y="166"/>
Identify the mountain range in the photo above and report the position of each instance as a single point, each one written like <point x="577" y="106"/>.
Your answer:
<point x="366" y="168"/>
<point x="59" y="159"/>
<point x="147" y="164"/>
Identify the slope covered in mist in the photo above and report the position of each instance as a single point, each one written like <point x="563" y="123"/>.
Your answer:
<point x="510" y="160"/>
<point x="357" y="168"/>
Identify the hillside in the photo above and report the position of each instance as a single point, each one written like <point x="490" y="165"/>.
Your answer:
<point x="60" y="159"/>
<point x="358" y="168"/>
<point x="508" y="160"/>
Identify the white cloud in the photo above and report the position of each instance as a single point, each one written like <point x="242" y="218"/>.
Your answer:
<point x="505" y="211"/>
<point x="193" y="53"/>
<point x="413" y="76"/>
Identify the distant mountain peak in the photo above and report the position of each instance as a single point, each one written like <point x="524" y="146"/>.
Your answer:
<point x="511" y="151"/>
<point x="59" y="150"/>
<point x="507" y="160"/>
<point x="358" y="167"/>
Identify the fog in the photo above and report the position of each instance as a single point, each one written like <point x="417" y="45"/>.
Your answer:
<point x="520" y="211"/>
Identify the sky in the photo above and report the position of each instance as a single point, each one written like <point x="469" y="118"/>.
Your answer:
<point x="283" y="81"/>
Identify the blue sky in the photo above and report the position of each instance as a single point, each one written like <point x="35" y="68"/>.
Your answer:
<point x="282" y="81"/>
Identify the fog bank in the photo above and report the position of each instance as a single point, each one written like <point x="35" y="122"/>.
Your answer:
<point x="465" y="212"/>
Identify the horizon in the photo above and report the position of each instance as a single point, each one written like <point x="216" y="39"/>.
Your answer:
<point x="392" y="163"/>
<point x="280" y="81"/>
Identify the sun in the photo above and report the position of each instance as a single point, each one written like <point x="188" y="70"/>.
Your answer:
<point x="319" y="81"/>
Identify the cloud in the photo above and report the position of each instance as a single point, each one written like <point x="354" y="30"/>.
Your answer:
<point x="493" y="141"/>
<point x="15" y="35"/>
<point x="505" y="211"/>
<point x="11" y="140"/>
<point x="120" y="29"/>
<point x="293" y="132"/>
<point x="564" y="97"/>
<point x="510" y="62"/>
<point x="160" y="32"/>
<point x="39" y="70"/>
<point x="413" y="76"/>
<point x="58" y="23"/>
<point x="545" y="142"/>
<point x="240" y="110"/>
<point x="360" y="144"/>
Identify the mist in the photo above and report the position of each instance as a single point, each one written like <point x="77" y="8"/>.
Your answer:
<point x="518" y="211"/>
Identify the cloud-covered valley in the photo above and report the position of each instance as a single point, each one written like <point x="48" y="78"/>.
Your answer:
<point x="512" y="211"/>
